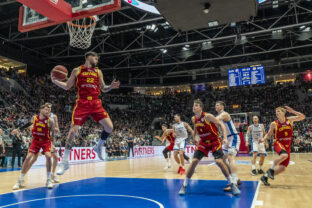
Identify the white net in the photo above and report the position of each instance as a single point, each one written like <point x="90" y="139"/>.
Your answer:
<point x="239" y="119"/>
<point x="81" y="31"/>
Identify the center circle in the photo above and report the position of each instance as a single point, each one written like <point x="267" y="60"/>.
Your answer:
<point x="90" y="200"/>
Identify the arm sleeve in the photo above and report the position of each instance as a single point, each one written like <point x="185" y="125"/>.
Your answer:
<point x="25" y="126"/>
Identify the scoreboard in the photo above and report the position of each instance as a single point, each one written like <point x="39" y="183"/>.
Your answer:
<point x="246" y="76"/>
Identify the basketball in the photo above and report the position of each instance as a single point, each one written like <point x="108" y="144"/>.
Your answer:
<point x="59" y="72"/>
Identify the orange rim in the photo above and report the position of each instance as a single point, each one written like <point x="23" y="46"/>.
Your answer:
<point x="84" y="26"/>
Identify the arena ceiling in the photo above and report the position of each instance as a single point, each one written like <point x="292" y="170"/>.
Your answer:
<point x="280" y="38"/>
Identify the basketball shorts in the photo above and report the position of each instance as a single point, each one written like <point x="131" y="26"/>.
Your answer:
<point x="85" y="108"/>
<point x="282" y="149"/>
<point x="53" y="150"/>
<point x="179" y="144"/>
<point x="36" y="145"/>
<point x="234" y="143"/>
<point x="259" y="148"/>
<point x="206" y="146"/>
<point x="170" y="147"/>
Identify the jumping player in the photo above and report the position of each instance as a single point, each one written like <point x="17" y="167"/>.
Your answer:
<point x="233" y="139"/>
<point x="283" y="133"/>
<point x="168" y="135"/>
<point x="205" y="125"/>
<point x="180" y="133"/>
<point x="43" y="134"/>
<point x="256" y="132"/>
<point x="89" y="82"/>
<point x="54" y="150"/>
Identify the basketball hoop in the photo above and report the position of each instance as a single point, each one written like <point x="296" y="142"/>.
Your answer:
<point x="81" y="31"/>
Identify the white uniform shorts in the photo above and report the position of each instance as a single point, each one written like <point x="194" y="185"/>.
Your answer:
<point x="179" y="144"/>
<point x="258" y="147"/>
<point x="234" y="143"/>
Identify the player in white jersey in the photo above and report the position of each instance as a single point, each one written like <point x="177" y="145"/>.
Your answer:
<point x="180" y="133"/>
<point x="256" y="132"/>
<point x="52" y="117"/>
<point x="233" y="139"/>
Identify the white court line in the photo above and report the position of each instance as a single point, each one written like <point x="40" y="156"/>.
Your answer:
<point x="254" y="201"/>
<point x="88" y="195"/>
<point x="54" y="185"/>
<point x="211" y="164"/>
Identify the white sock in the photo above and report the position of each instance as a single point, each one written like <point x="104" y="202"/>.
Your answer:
<point x="253" y="167"/>
<point x="260" y="167"/>
<point x="100" y="143"/>
<point x="66" y="155"/>
<point x="272" y="167"/>
<point x="234" y="177"/>
<point x="186" y="180"/>
<point x="22" y="176"/>
<point x="49" y="175"/>
<point x="229" y="179"/>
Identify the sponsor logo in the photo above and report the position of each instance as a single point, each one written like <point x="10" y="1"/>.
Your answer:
<point x="143" y="151"/>
<point x="89" y="86"/>
<point x="204" y="135"/>
<point x="284" y="128"/>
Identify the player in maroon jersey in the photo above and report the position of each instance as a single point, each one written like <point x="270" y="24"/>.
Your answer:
<point x="53" y="150"/>
<point x="283" y="133"/>
<point x="43" y="134"/>
<point x="89" y="82"/>
<point x="205" y="125"/>
<point x="168" y="135"/>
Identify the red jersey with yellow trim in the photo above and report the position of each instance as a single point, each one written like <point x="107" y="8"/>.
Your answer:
<point x="87" y="83"/>
<point x="170" y="138"/>
<point x="41" y="128"/>
<point x="207" y="131"/>
<point x="283" y="133"/>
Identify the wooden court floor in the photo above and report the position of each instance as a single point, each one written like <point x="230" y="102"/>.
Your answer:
<point x="290" y="189"/>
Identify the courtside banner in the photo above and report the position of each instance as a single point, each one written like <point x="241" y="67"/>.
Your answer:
<point x="77" y="154"/>
<point x="151" y="151"/>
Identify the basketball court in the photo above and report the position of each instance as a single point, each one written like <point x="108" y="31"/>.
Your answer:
<point x="141" y="182"/>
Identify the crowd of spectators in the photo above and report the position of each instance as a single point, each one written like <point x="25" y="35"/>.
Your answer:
<point x="133" y="113"/>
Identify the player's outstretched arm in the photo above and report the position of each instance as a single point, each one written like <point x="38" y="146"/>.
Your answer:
<point x="269" y="134"/>
<point x="298" y="116"/>
<point x="28" y="124"/>
<point x="188" y="127"/>
<point x="69" y="83"/>
<point x="106" y="88"/>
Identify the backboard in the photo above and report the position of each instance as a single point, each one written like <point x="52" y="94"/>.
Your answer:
<point x="29" y="19"/>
